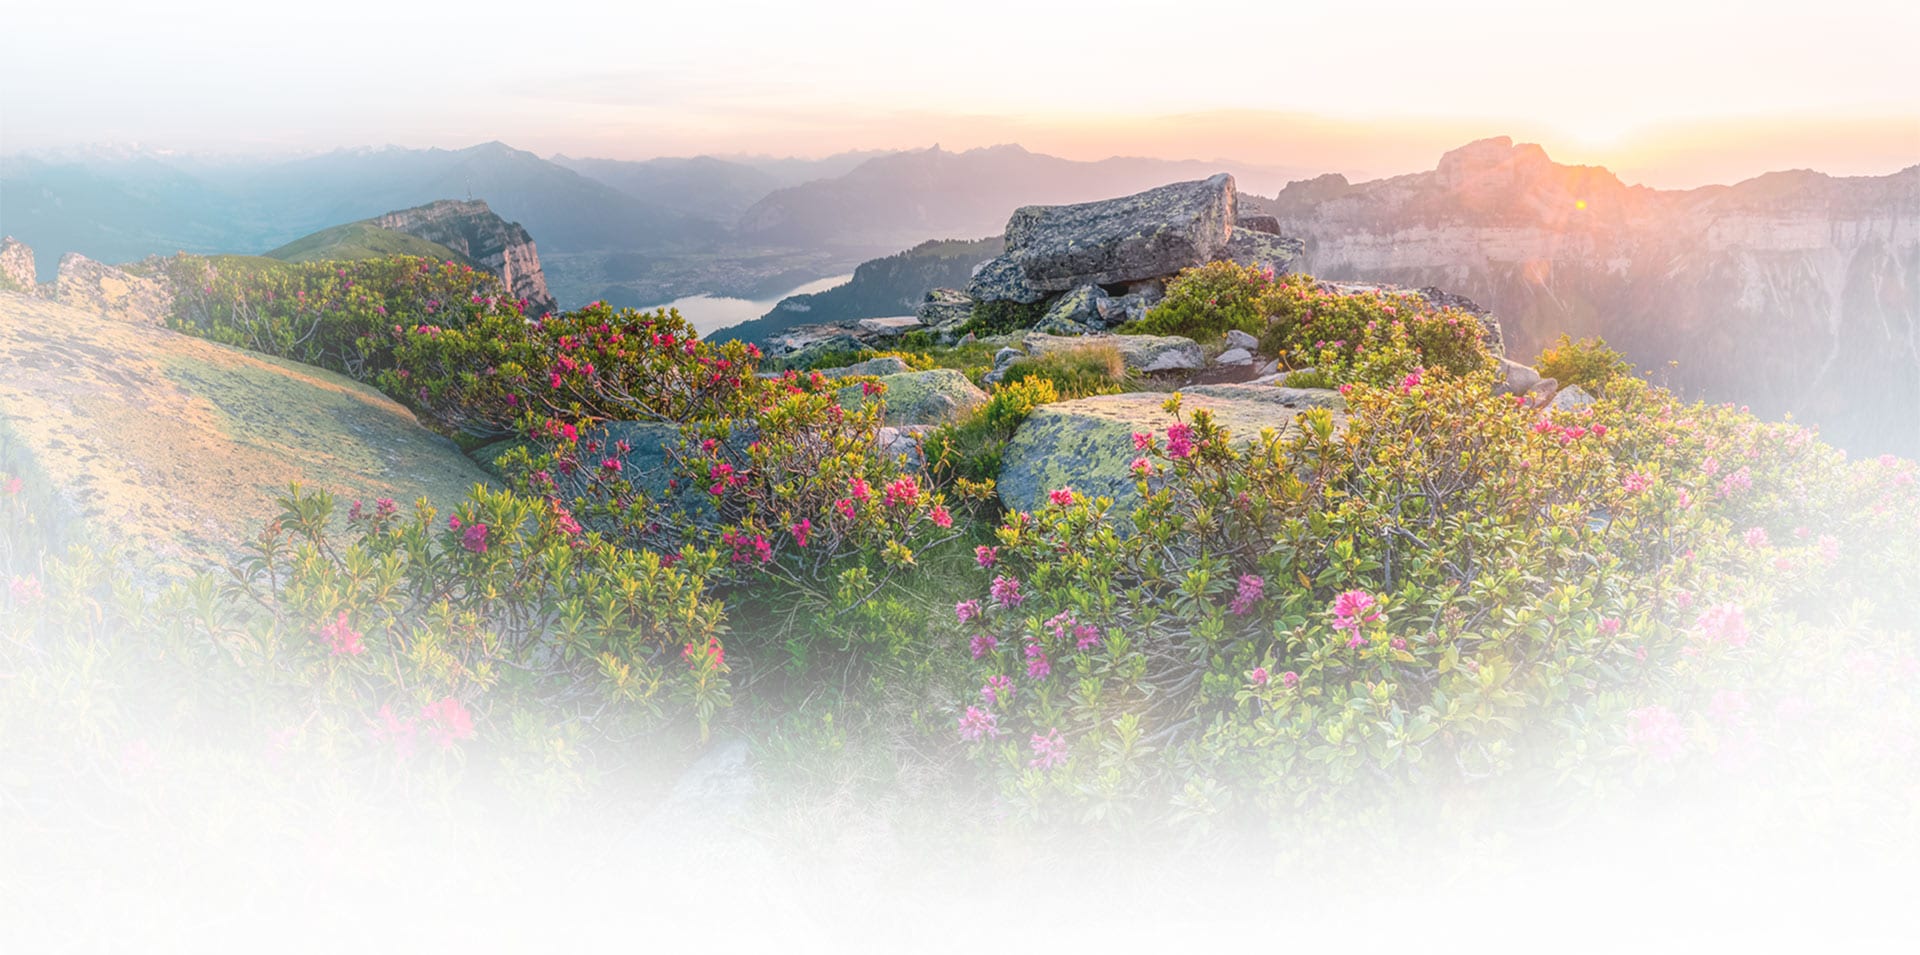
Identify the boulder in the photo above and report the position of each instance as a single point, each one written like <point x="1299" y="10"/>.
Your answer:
<point x="940" y="396"/>
<point x="1079" y="312"/>
<point x="1518" y="379"/>
<point x="1003" y="279"/>
<point x="1571" y="398"/>
<point x="945" y="310"/>
<point x="883" y="365"/>
<point x="178" y="448"/>
<point x="1239" y="339"/>
<point x="1234" y="356"/>
<point x="1263" y="251"/>
<point x="1257" y="222"/>
<point x="904" y="442"/>
<point x="1087" y="443"/>
<point x="16" y="266"/>
<point x="1144" y="353"/>
<point x="102" y="289"/>
<point x="1147" y="235"/>
<point x="889" y="327"/>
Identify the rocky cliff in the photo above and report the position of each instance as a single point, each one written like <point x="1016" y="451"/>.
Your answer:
<point x="16" y="266"/>
<point x="473" y="230"/>
<point x="1794" y="292"/>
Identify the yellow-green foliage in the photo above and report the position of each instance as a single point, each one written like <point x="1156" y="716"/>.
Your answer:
<point x="1075" y="372"/>
<point x="1588" y="363"/>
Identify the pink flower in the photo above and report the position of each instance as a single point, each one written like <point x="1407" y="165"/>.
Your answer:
<point x="14" y="485"/>
<point x="1061" y="497"/>
<point x="999" y="689"/>
<point x="1290" y="679"/>
<point x="475" y="538"/>
<point x="1049" y="751"/>
<point x="25" y="591"/>
<point x="860" y="490"/>
<point x="977" y="724"/>
<point x="1259" y="676"/>
<point x="1143" y="440"/>
<point x="904" y="492"/>
<point x="1351" y="610"/>
<point x="1039" y="666"/>
<point x="800" y="531"/>
<point x="1006" y="591"/>
<point x="940" y="517"/>
<point x="447" y="720"/>
<point x="343" y="639"/>
<point x="1635" y="483"/>
<point x="1085" y="635"/>
<point x="1829" y="547"/>
<point x="967" y="610"/>
<point x="1736" y="482"/>
<point x="845" y="507"/>
<point x="1411" y="381"/>
<point x="1657" y="733"/>
<point x="1179" y="441"/>
<point x="1249" y="592"/>
<point x="983" y="644"/>
<point x="1610" y="626"/>
<point x="1141" y="467"/>
<point x="398" y="730"/>
<point x="986" y="556"/>
<point x="1723" y="623"/>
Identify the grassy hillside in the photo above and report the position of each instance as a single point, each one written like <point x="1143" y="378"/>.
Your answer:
<point x="356" y="241"/>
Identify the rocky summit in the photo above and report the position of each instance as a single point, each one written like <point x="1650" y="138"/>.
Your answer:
<point x="473" y="230"/>
<point x="1142" y="236"/>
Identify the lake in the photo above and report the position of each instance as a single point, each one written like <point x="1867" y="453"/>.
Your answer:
<point x="710" y="313"/>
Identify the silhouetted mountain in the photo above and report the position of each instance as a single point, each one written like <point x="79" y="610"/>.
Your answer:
<point x="1793" y="292"/>
<point x="701" y="186"/>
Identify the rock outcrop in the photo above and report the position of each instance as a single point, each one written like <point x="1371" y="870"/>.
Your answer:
<point x="473" y="230"/>
<point x="1142" y="236"/>
<point x="176" y="447"/>
<point x="113" y="292"/>
<point x="1087" y="443"/>
<point x="940" y="396"/>
<point x="1142" y="353"/>
<point x="16" y="266"/>
<point x="1792" y="292"/>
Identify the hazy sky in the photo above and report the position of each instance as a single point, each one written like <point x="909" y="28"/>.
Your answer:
<point x="1683" y="91"/>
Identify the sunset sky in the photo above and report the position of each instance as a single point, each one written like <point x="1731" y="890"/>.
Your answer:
<point x="1664" y="92"/>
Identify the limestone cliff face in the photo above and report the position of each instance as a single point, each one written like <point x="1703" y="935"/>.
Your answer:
<point x="473" y="230"/>
<point x="1794" y="292"/>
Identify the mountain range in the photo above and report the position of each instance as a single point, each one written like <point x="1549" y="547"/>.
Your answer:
<point x="1795" y="292"/>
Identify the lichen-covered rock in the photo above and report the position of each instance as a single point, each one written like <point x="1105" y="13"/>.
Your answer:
<point x="1257" y="222"/>
<point x="940" y="396"/>
<point x="883" y="365"/>
<point x="891" y="326"/>
<point x="1003" y="280"/>
<point x="1239" y="339"/>
<point x="1087" y="443"/>
<point x="1079" y="312"/>
<point x="177" y="448"/>
<point x="101" y="289"/>
<point x="1147" y="235"/>
<point x="904" y="442"/>
<point x="1234" y="356"/>
<point x="1261" y="250"/>
<point x="16" y="266"/>
<point x="1571" y="398"/>
<point x="1518" y="379"/>
<point x="945" y="310"/>
<point x="1143" y="353"/>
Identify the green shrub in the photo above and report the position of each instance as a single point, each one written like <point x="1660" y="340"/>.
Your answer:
<point x="1588" y="363"/>
<point x="967" y="455"/>
<point x="1075" y="372"/>
<point x="1206" y="302"/>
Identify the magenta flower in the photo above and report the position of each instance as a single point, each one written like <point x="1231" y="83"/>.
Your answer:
<point x="967" y="610"/>
<point x="1259" y="676"/>
<point x="1756" y="538"/>
<point x="986" y="556"/>
<point x="342" y="638"/>
<point x="1723" y="623"/>
<point x="1636" y="483"/>
<point x="1006" y="591"/>
<point x="1657" y="732"/>
<point x="1143" y="440"/>
<point x="1061" y="497"/>
<point x="983" y="644"/>
<point x="475" y="538"/>
<point x="999" y="689"/>
<point x="1039" y="667"/>
<point x="1289" y="679"/>
<point x="25" y="591"/>
<point x="1249" y="592"/>
<point x="940" y="517"/>
<point x="1352" y="610"/>
<point x="447" y="720"/>
<point x="977" y="724"/>
<point x="1179" y="441"/>
<point x="1049" y="751"/>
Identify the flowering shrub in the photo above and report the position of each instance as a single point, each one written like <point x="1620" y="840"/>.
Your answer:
<point x="332" y="314"/>
<point x="1457" y="589"/>
<point x="1588" y="363"/>
<point x="1207" y="301"/>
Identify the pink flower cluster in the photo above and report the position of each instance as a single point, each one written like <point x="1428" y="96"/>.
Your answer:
<point x="1657" y="732"/>
<point x="754" y="549"/>
<point x="1061" y="497"/>
<point x="977" y="724"/>
<point x="1049" y="751"/>
<point x="1352" y="610"/>
<point x="1179" y="441"/>
<point x="1006" y="591"/>
<point x="342" y="638"/>
<point x="1248" y="593"/>
<point x="1723" y="623"/>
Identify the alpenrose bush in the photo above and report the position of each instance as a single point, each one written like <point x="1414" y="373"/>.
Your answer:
<point x="1458" y="593"/>
<point x="336" y="315"/>
<point x="1370" y="337"/>
<point x="416" y="643"/>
